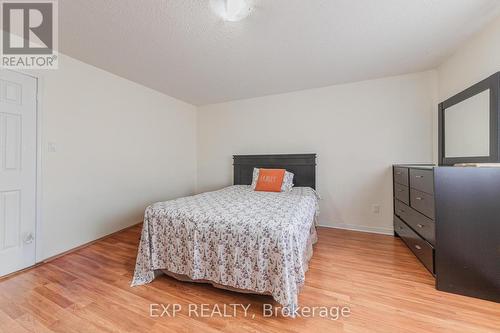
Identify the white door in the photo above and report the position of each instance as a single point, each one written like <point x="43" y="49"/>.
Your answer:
<point x="17" y="171"/>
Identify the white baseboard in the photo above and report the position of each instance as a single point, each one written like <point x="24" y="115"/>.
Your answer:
<point x="362" y="228"/>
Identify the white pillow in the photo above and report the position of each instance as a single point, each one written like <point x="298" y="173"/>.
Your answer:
<point x="287" y="182"/>
<point x="285" y="186"/>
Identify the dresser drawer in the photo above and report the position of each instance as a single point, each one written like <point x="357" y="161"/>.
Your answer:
<point x="401" y="176"/>
<point x="422" y="202"/>
<point x="423" y="250"/>
<point x="402" y="193"/>
<point x="422" y="180"/>
<point x="424" y="226"/>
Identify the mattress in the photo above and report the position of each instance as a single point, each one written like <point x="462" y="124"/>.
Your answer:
<point x="234" y="237"/>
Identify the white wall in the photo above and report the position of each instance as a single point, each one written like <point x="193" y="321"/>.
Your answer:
<point x="358" y="131"/>
<point x="472" y="62"/>
<point x="120" y="147"/>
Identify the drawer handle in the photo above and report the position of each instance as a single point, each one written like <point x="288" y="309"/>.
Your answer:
<point x="418" y="198"/>
<point x="418" y="247"/>
<point x="400" y="228"/>
<point x="401" y="190"/>
<point x="418" y="176"/>
<point x="420" y="225"/>
<point x="398" y="173"/>
<point x="400" y="211"/>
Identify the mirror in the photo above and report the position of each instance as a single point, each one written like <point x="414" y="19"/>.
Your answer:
<point x="469" y="124"/>
<point x="467" y="127"/>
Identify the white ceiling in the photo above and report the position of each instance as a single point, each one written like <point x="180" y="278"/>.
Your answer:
<point x="181" y="48"/>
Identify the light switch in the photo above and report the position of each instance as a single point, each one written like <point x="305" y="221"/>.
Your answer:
<point x="52" y="147"/>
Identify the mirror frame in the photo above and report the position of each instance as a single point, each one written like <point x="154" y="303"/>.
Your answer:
<point x="493" y="84"/>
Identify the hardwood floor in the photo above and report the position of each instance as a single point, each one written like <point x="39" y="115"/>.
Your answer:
<point x="383" y="284"/>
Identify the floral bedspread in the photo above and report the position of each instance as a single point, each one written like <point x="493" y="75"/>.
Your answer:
<point x="237" y="237"/>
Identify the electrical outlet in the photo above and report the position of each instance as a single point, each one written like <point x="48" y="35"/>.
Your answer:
<point x="376" y="209"/>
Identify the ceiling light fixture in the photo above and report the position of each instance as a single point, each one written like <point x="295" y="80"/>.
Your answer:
<point x="231" y="10"/>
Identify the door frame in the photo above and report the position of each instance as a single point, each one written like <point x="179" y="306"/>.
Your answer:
<point x="38" y="183"/>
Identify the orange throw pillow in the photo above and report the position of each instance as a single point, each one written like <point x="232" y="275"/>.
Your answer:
<point x="270" y="180"/>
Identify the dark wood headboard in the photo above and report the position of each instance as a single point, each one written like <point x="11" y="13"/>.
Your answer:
<point x="303" y="166"/>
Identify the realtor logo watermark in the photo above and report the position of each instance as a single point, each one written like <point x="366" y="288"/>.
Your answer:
<point x="234" y="310"/>
<point x="29" y="34"/>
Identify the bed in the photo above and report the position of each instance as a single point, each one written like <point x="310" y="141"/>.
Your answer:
<point x="237" y="238"/>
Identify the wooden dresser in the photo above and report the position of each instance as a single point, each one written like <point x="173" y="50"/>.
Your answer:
<point x="414" y="216"/>
<point x="449" y="217"/>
